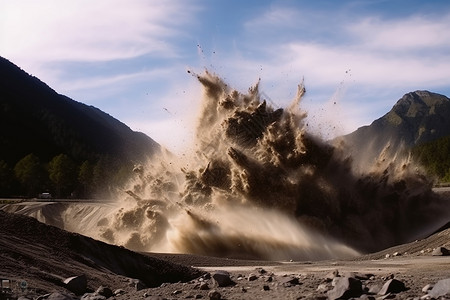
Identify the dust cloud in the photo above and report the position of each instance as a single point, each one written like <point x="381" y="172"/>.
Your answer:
<point x="259" y="185"/>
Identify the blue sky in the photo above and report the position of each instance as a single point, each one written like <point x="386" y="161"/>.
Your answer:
<point x="130" y="58"/>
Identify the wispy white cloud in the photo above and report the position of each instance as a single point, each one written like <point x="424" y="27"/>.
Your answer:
<point x="84" y="30"/>
<point x="414" y="33"/>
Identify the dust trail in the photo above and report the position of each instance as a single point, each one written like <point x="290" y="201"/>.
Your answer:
<point x="259" y="185"/>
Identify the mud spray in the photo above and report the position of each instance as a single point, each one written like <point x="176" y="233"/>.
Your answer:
<point x="259" y="185"/>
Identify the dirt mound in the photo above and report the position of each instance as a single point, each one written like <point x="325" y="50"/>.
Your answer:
<point x="416" y="248"/>
<point x="45" y="255"/>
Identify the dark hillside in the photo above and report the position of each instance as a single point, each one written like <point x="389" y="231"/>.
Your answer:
<point x="36" y="119"/>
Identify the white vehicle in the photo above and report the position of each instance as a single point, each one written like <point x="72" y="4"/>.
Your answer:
<point x="45" y="196"/>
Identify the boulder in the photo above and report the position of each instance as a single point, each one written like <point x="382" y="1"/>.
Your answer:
<point x="440" y="251"/>
<point x="441" y="288"/>
<point x="346" y="288"/>
<point x="222" y="278"/>
<point x="392" y="286"/>
<point x="76" y="284"/>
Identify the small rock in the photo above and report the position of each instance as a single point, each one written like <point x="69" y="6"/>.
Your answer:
<point x="198" y="296"/>
<point x="330" y="276"/>
<point x="266" y="287"/>
<point x="440" y="251"/>
<point x="396" y="254"/>
<point x="119" y="292"/>
<point x="104" y="291"/>
<point x="137" y="284"/>
<point x="214" y="295"/>
<point x="92" y="296"/>
<point x="387" y="255"/>
<point x="176" y="292"/>
<point x="289" y="281"/>
<point x="76" y="284"/>
<point x="252" y="277"/>
<point x="441" y="288"/>
<point x="222" y="278"/>
<point x="204" y="286"/>
<point x="388" y="277"/>
<point x="392" y="286"/>
<point x="346" y="288"/>
<point x="261" y="271"/>
<point x="322" y="288"/>
<point x="269" y="279"/>
<point x="59" y="296"/>
<point x="427" y="288"/>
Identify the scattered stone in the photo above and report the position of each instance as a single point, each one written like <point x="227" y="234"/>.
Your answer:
<point x="322" y="288"/>
<point x="330" y="276"/>
<point x="441" y="288"/>
<point x="137" y="284"/>
<point x="427" y="288"/>
<point x="269" y="279"/>
<point x="357" y="275"/>
<point x="57" y="296"/>
<point x="388" y="277"/>
<point x="346" y="288"/>
<point x="198" y="296"/>
<point x="176" y="292"/>
<point x="222" y="278"/>
<point x="266" y="287"/>
<point x="204" y="286"/>
<point x="214" y="295"/>
<point x="252" y="277"/>
<point x="76" y="284"/>
<point x="261" y="271"/>
<point x="119" y="292"/>
<point x="392" y="286"/>
<point x="396" y="254"/>
<point x="92" y="296"/>
<point x="289" y="281"/>
<point x="104" y="291"/>
<point x="387" y="255"/>
<point x="440" y="251"/>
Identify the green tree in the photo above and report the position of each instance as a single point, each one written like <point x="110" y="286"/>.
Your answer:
<point x="6" y="180"/>
<point x="63" y="173"/>
<point x="86" y="179"/>
<point x="30" y="174"/>
<point x="102" y="176"/>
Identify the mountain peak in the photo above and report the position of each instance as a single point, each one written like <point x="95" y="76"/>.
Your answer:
<point x="417" y="117"/>
<point x="418" y="103"/>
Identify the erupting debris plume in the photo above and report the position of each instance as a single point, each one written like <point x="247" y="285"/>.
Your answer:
<point x="259" y="185"/>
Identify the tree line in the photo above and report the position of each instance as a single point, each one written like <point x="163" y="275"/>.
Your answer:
<point x="63" y="177"/>
<point x="435" y="157"/>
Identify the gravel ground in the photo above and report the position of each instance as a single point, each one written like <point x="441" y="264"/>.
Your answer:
<point x="44" y="256"/>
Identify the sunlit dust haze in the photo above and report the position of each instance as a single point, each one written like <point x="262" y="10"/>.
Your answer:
<point x="258" y="184"/>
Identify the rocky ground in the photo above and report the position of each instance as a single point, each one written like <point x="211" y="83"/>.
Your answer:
<point x="44" y="257"/>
